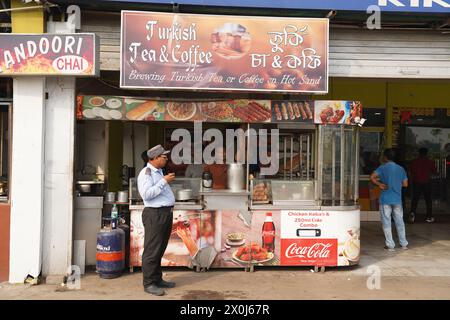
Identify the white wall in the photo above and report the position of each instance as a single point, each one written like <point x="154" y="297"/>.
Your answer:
<point x="27" y="162"/>
<point x="140" y="144"/>
<point x="58" y="183"/>
<point x="92" y="146"/>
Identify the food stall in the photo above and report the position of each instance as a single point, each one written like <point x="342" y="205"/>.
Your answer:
<point x="304" y="214"/>
<point x="287" y="193"/>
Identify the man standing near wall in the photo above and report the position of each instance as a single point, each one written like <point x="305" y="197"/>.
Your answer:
<point x="157" y="218"/>
<point x="391" y="177"/>
<point x="421" y="171"/>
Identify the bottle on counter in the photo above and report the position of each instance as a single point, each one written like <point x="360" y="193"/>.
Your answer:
<point x="268" y="233"/>
<point x="114" y="216"/>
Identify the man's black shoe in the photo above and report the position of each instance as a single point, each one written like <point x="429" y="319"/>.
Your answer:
<point x="154" y="290"/>
<point x="166" y="284"/>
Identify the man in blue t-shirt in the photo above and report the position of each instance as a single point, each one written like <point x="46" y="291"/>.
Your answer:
<point x="391" y="177"/>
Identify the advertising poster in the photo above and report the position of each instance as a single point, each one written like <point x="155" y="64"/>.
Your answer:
<point x="293" y="111"/>
<point x="191" y="231"/>
<point x="49" y="54"/>
<point x="211" y="52"/>
<point x="139" y="109"/>
<point x="337" y="112"/>
<point x="236" y="110"/>
<point x="245" y="242"/>
<point x="320" y="238"/>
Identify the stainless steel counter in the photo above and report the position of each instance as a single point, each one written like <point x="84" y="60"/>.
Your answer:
<point x="178" y="206"/>
<point x="225" y="199"/>
<point x="87" y="221"/>
<point x="302" y="208"/>
<point x="275" y="207"/>
<point x="223" y="192"/>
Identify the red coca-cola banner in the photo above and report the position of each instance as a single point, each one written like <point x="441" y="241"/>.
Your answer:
<point x="309" y="252"/>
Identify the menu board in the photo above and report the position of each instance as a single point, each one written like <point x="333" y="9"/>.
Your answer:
<point x="135" y="109"/>
<point x="236" y="110"/>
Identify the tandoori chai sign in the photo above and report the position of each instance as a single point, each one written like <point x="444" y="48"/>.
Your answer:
<point x="49" y="54"/>
<point x="207" y="52"/>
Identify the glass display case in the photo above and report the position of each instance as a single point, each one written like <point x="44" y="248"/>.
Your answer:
<point x="338" y="165"/>
<point x="260" y="191"/>
<point x="193" y="184"/>
<point x="333" y="150"/>
<point x="283" y="192"/>
<point x="289" y="193"/>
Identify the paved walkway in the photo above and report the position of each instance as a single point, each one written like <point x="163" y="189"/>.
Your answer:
<point x="423" y="272"/>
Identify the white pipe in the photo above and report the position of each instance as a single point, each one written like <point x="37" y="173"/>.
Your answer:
<point x="28" y="8"/>
<point x="22" y="9"/>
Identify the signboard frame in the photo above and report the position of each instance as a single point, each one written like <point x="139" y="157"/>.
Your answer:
<point x="219" y="89"/>
<point x="95" y="56"/>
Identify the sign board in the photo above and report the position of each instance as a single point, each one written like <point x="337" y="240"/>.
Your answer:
<point x="49" y="54"/>
<point x="320" y="238"/>
<point x="227" y="53"/>
<point x="237" y="110"/>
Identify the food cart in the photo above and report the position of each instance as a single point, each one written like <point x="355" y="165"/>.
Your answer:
<point x="305" y="214"/>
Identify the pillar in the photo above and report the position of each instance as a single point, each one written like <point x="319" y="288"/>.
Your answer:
<point x="27" y="159"/>
<point x="59" y="176"/>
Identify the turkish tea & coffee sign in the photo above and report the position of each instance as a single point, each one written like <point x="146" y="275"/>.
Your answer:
<point x="206" y="52"/>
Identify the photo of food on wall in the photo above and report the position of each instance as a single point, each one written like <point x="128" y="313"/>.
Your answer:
<point x="244" y="242"/>
<point x="252" y="110"/>
<point x="144" y="110"/>
<point x="182" y="111"/>
<point x="295" y="111"/>
<point x="101" y="107"/>
<point x="231" y="41"/>
<point x="337" y="112"/>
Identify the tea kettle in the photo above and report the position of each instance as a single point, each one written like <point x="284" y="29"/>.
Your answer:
<point x="207" y="180"/>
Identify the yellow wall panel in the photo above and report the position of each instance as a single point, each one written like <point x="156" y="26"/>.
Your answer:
<point x="27" y="21"/>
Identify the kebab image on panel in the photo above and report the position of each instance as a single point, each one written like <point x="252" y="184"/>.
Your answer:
<point x="287" y="111"/>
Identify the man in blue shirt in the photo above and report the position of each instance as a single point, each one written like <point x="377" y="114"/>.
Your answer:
<point x="391" y="177"/>
<point x="157" y="218"/>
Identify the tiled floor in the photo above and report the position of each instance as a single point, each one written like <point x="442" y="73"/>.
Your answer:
<point x="428" y="254"/>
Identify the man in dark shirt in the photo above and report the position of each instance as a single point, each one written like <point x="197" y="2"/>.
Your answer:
<point x="391" y="178"/>
<point x="421" y="170"/>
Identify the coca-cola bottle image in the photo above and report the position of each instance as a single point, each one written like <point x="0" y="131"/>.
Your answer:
<point x="268" y="233"/>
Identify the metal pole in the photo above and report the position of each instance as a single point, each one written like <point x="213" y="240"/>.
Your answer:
<point x="333" y="167"/>
<point x="284" y="157"/>
<point x="308" y="153"/>
<point x="342" y="184"/>
<point x="247" y="156"/>
<point x="292" y="155"/>
<point x="133" y="146"/>
<point x="300" y="137"/>
<point x="319" y="158"/>
<point x="357" y="165"/>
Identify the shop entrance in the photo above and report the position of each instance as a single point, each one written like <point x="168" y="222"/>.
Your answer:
<point x="437" y="140"/>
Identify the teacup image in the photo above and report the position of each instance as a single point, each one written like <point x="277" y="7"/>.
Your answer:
<point x="352" y="249"/>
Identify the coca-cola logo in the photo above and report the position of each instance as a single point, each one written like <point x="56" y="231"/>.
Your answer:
<point x="317" y="250"/>
<point x="268" y="233"/>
